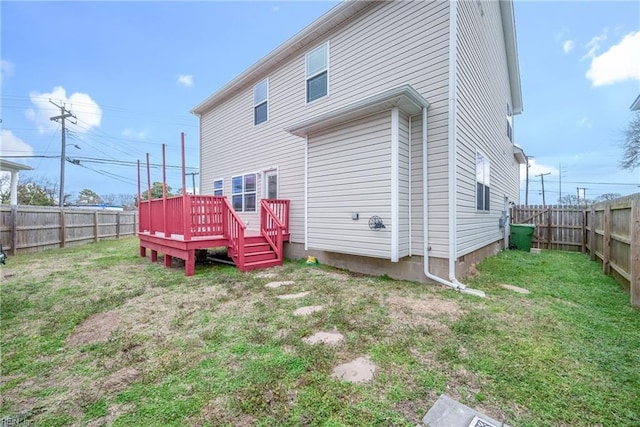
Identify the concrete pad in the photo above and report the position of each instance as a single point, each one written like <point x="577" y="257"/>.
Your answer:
<point x="275" y="285"/>
<point x="515" y="289"/>
<point x="535" y="250"/>
<point x="305" y="311"/>
<point x="330" y="338"/>
<point x="294" y="296"/>
<point x="447" y="412"/>
<point x="360" y="370"/>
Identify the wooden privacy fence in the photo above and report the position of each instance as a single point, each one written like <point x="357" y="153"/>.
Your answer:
<point x="612" y="234"/>
<point x="35" y="228"/>
<point x="609" y="232"/>
<point x="557" y="227"/>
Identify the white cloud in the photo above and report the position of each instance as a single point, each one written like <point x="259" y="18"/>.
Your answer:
<point x="536" y="169"/>
<point x="567" y="46"/>
<point x="618" y="64"/>
<point x="6" y="69"/>
<point x="594" y="45"/>
<point x="14" y="146"/>
<point x="129" y="133"/>
<point x="185" y="80"/>
<point x="275" y="8"/>
<point x="86" y="110"/>
<point x="584" y="122"/>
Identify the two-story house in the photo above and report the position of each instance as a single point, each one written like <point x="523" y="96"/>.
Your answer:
<point x="389" y="127"/>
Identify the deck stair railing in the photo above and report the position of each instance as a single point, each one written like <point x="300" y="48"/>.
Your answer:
<point x="272" y="226"/>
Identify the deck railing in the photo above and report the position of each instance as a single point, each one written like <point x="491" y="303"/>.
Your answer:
<point x="281" y="210"/>
<point x="235" y="230"/>
<point x="271" y="226"/>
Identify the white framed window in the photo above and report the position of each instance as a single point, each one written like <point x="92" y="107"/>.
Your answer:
<point x="509" y="122"/>
<point x="261" y="102"/>
<point x="483" y="183"/>
<point x="317" y="80"/>
<point x="218" y="187"/>
<point x="243" y="192"/>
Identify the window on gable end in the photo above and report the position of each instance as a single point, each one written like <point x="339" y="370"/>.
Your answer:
<point x="261" y="102"/>
<point x="317" y="63"/>
<point x="483" y="182"/>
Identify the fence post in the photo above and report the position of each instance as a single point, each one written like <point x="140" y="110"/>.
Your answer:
<point x="634" y="273"/>
<point x="95" y="226"/>
<point x="118" y="225"/>
<point x="592" y="234"/>
<point x="14" y="231"/>
<point x="606" y="240"/>
<point x="63" y="229"/>
<point x="584" y="231"/>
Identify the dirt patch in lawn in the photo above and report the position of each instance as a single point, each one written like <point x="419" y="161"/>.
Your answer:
<point x="415" y="311"/>
<point x="119" y="380"/>
<point x="96" y="328"/>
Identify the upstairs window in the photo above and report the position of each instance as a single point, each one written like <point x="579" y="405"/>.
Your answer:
<point x="509" y="122"/>
<point x="261" y="102"/>
<point x="243" y="192"/>
<point x="218" y="186"/>
<point x="317" y="72"/>
<point x="482" y="182"/>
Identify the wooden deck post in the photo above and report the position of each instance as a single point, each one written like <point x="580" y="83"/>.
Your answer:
<point x="634" y="283"/>
<point x="606" y="240"/>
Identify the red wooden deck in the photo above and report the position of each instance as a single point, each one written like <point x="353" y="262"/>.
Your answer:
<point x="178" y="226"/>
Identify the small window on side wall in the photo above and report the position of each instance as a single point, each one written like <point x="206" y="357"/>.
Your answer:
<point x="218" y="187"/>
<point x="509" y="122"/>
<point x="261" y="102"/>
<point x="483" y="183"/>
<point x="317" y="63"/>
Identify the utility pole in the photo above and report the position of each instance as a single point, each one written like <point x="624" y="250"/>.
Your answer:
<point x="526" y="191"/>
<point x="542" y="178"/>
<point x="562" y="171"/>
<point x="193" y="180"/>
<point x="64" y="113"/>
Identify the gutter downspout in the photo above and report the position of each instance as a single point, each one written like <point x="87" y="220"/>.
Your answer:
<point x="452" y="282"/>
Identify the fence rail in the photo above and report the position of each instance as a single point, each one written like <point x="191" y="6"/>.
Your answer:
<point x="609" y="232"/>
<point x="35" y="228"/>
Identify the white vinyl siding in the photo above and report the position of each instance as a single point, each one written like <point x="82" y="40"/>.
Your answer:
<point x="403" y="186"/>
<point x="483" y="86"/>
<point x="387" y="45"/>
<point x="349" y="172"/>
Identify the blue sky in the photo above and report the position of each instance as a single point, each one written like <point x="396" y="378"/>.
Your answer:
<point x="132" y="71"/>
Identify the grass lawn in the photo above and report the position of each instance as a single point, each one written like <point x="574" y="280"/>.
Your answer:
<point x="95" y="335"/>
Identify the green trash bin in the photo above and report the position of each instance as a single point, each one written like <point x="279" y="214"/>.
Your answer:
<point x="522" y="235"/>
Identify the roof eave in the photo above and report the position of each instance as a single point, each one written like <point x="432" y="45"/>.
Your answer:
<point x="404" y="97"/>
<point x="509" y="29"/>
<point x="314" y="31"/>
<point x="8" y="166"/>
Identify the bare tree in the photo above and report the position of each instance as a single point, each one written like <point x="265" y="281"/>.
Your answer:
<point x="631" y="144"/>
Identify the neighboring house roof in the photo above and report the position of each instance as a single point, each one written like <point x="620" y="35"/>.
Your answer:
<point x="404" y="97"/>
<point x="7" y="166"/>
<point x="337" y="16"/>
<point x="636" y="104"/>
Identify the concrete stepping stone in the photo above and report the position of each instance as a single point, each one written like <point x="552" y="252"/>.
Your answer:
<point x="275" y="285"/>
<point x="516" y="289"/>
<point x="329" y="338"/>
<point x="305" y="311"/>
<point x="360" y="370"/>
<point x="266" y="275"/>
<point x="294" y="296"/>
